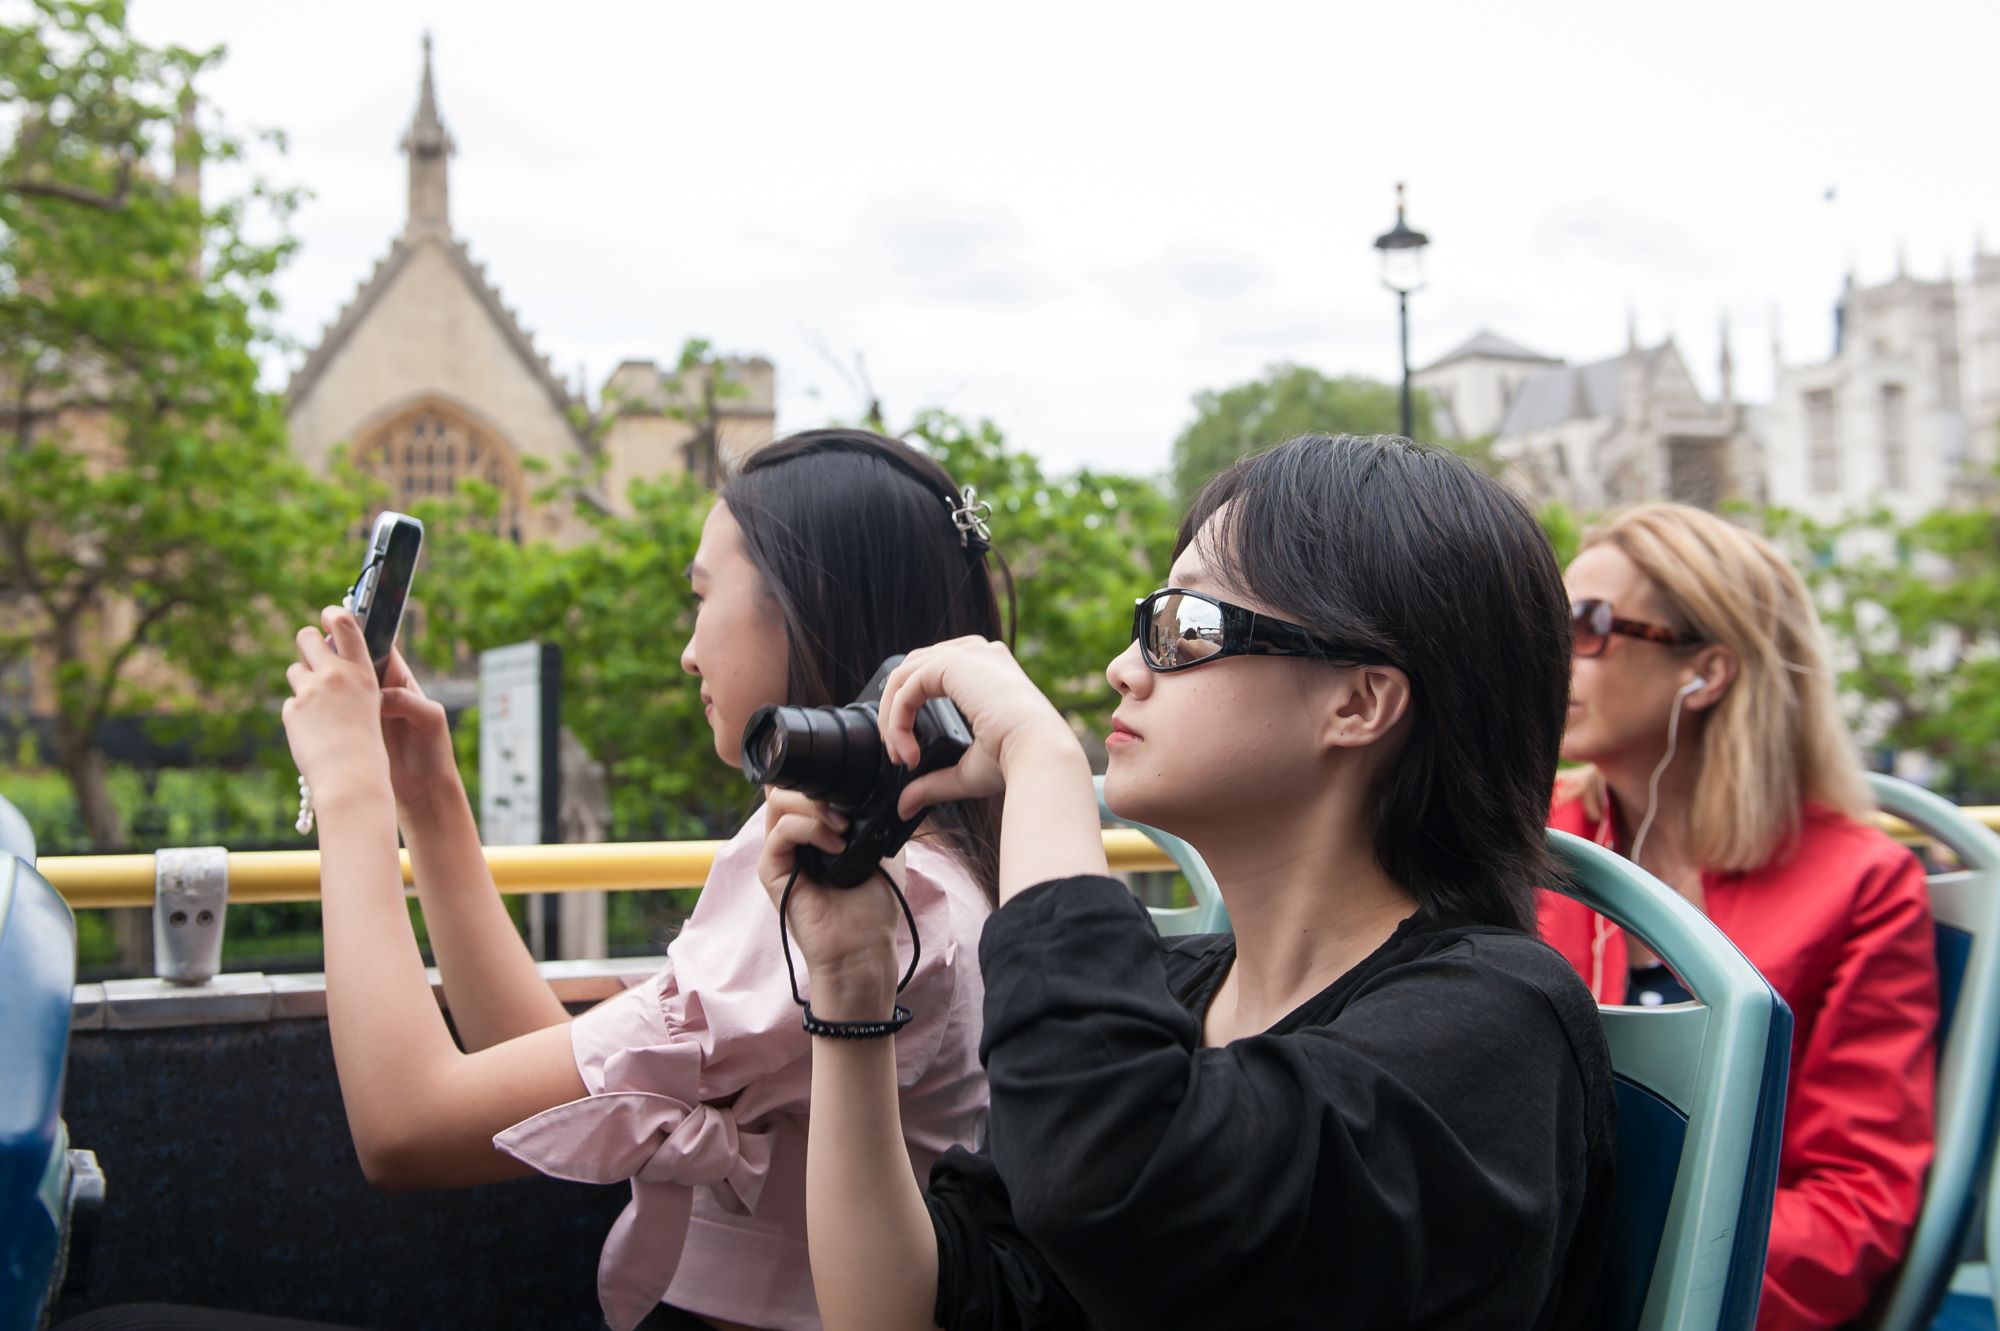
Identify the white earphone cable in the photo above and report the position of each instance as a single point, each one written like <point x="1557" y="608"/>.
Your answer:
<point x="1602" y="932"/>
<point x="1653" y="786"/>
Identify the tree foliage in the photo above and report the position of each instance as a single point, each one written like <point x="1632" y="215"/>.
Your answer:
<point x="618" y="606"/>
<point x="1289" y="400"/>
<point x="153" y="524"/>
<point x="1913" y="612"/>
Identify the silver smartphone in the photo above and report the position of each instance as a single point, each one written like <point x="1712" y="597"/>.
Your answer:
<point x="382" y="590"/>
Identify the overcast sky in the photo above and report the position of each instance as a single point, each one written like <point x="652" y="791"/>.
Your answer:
<point x="1074" y="217"/>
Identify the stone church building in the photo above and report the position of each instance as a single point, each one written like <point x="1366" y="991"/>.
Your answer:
<point x="1612" y="432"/>
<point x="430" y="378"/>
<point x="1905" y="411"/>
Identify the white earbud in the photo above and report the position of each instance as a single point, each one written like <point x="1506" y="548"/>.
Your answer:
<point x="1694" y="685"/>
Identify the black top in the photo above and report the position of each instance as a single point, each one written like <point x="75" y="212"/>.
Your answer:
<point x="1651" y="986"/>
<point x="1425" y="1143"/>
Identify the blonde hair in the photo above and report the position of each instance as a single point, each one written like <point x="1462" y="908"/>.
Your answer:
<point x="1775" y="741"/>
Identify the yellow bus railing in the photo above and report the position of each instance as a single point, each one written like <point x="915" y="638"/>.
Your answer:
<point x="90" y="882"/>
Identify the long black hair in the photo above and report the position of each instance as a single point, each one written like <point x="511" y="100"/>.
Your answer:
<point x="853" y="534"/>
<point x="1410" y="556"/>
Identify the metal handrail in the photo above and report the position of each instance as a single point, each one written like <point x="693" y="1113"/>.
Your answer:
<point x="90" y="882"/>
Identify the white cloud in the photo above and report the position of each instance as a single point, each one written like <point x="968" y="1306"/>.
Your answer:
<point x="1073" y="218"/>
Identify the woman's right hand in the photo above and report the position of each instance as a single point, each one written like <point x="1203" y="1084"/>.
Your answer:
<point x="1007" y="714"/>
<point x="421" y="762"/>
<point x="846" y="935"/>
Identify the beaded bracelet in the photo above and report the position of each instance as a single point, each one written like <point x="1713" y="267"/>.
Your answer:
<point x="855" y="1030"/>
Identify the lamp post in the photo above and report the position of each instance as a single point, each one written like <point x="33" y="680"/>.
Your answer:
<point x="1403" y="273"/>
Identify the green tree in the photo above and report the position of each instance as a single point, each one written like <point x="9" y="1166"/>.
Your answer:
<point x="1289" y="400"/>
<point x="618" y="606"/>
<point x="150" y="511"/>
<point x="1564" y="530"/>
<point x="1913" y="612"/>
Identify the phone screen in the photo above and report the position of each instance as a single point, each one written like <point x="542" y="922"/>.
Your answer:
<point x="391" y="589"/>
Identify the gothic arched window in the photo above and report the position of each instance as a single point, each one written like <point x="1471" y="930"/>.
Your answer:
<point x="424" y="451"/>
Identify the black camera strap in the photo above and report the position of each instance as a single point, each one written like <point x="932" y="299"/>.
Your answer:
<point x="849" y="1030"/>
<point x="374" y="562"/>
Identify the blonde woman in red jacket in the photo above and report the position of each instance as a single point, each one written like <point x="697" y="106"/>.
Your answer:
<point x="1704" y="708"/>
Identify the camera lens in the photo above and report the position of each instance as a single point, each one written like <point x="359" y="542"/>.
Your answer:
<point x="828" y="753"/>
<point x="771" y="749"/>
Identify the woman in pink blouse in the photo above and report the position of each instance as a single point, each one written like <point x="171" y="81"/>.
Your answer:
<point x="828" y="552"/>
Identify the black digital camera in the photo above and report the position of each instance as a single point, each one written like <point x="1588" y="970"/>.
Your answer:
<point x="835" y="755"/>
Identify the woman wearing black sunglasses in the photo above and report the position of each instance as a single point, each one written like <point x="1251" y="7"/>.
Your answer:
<point x="1381" y="1102"/>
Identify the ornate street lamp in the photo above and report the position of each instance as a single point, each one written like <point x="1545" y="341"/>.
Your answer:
<point x="1403" y="272"/>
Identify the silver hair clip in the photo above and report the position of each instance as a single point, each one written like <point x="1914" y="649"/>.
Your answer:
<point x="970" y="520"/>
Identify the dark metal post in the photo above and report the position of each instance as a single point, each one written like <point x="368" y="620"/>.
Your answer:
<point x="1402" y="251"/>
<point x="1409" y="415"/>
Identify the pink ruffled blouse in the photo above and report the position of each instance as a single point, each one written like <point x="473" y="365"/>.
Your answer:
<point x="699" y="1082"/>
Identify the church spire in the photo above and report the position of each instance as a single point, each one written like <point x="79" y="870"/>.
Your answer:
<point x="1727" y="366"/>
<point x="428" y="144"/>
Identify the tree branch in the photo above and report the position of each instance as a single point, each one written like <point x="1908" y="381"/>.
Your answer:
<point x="100" y="707"/>
<point x="110" y="203"/>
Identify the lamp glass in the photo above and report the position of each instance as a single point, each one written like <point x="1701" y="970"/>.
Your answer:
<point x="1403" y="268"/>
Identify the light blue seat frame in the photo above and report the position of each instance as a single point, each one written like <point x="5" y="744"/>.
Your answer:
<point x="1709" y="1073"/>
<point x="1207" y="915"/>
<point x="1701" y="1093"/>
<point x="1966" y="907"/>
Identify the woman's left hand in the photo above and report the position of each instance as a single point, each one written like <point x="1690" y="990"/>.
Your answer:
<point x="333" y="720"/>
<point x="1008" y="715"/>
<point x="846" y="935"/>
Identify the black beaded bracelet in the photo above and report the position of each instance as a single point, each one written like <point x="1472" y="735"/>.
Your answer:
<point x="855" y="1030"/>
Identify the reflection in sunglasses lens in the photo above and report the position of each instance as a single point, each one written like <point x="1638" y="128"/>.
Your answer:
<point x="1589" y="624"/>
<point x="1180" y="630"/>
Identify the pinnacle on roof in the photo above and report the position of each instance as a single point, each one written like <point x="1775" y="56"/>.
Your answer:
<point x="428" y="144"/>
<point x="427" y="133"/>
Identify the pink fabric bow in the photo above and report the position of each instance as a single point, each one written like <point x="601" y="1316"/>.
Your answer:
<point x="666" y="1147"/>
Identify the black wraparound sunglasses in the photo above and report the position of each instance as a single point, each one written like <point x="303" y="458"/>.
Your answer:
<point x="1178" y="629"/>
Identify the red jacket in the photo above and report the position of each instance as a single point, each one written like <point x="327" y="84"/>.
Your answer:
<point x="1842" y="928"/>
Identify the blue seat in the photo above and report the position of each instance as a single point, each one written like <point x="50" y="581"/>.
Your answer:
<point x="1966" y="1310"/>
<point x="1965" y="905"/>
<point x="1701" y="1099"/>
<point x="37" y="1179"/>
<point x="1207" y="915"/>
